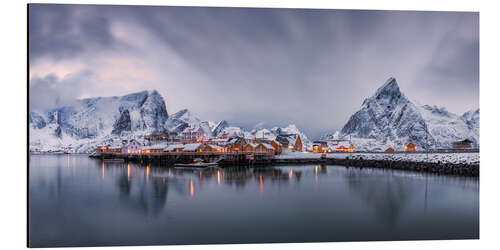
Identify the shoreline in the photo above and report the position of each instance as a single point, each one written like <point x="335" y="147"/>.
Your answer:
<point x="441" y="168"/>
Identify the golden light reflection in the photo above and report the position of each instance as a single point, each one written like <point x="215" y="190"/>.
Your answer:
<point x="191" y="187"/>
<point x="218" y="176"/>
<point x="316" y="170"/>
<point x="147" y="172"/>
<point x="200" y="175"/>
<point x="261" y="184"/>
<point x="128" y="171"/>
<point x="290" y="174"/>
<point x="102" y="177"/>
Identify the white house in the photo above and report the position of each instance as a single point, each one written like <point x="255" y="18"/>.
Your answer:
<point x="132" y="146"/>
<point x="193" y="147"/>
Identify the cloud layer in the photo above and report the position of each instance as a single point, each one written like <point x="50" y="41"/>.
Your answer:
<point x="249" y="65"/>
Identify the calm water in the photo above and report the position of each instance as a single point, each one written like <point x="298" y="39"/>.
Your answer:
<point x="78" y="201"/>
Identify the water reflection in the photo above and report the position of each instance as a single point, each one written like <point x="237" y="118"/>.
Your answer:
<point x="191" y="187"/>
<point x="160" y="204"/>
<point x="386" y="194"/>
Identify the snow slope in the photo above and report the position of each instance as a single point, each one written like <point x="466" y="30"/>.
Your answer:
<point x="89" y="122"/>
<point x="390" y="119"/>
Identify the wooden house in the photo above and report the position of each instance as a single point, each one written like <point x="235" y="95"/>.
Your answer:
<point x="193" y="147"/>
<point x="151" y="149"/>
<point x="462" y="144"/>
<point x="343" y="148"/>
<point x="192" y="134"/>
<point x="277" y="146"/>
<point x="108" y="149"/>
<point x="131" y="147"/>
<point x="264" y="148"/>
<point x="290" y="141"/>
<point x="162" y="136"/>
<point x="237" y="143"/>
<point x="174" y="148"/>
<point x="389" y="150"/>
<point x="411" y="147"/>
<point x="320" y="147"/>
<point x="212" y="148"/>
<point x="228" y="148"/>
<point x="249" y="147"/>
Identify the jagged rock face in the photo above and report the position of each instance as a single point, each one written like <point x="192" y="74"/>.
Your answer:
<point x="219" y="128"/>
<point x="181" y="120"/>
<point x="36" y="120"/>
<point x="264" y="133"/>
<point x="291" y="130"/>
<point x="471" y="118"/>
<point x="154" y="112"/>
<point x="185" y="120"/>
<point x="94" y="120"/>
<point x="389" y="118"/>
<point x="123" y="123"/>
<point x="93" y="117"/>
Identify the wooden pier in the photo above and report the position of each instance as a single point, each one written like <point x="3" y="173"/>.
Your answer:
<point x="170" y="158"/>
<point x="249" y="159"/>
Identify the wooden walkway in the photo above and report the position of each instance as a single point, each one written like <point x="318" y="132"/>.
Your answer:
<point x="223" y="158"/>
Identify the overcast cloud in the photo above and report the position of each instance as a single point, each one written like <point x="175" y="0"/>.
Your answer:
<point x="277" y="66"/>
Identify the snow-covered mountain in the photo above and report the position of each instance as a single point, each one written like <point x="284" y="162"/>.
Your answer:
<point x="88" y="122"/>
<point x="184" y="120"/>
<point x="219" y="127"/>
<point x="390" y="119"/>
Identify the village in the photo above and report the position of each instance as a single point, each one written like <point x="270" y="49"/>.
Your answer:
<point x="196" y="141"/>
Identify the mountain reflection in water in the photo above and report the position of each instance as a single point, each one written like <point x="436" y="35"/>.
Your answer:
<point x="77" y="201"/>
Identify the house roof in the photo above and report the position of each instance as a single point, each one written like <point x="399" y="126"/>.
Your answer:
<point x="191" y="146"/>
<point x="156" y="146"/>
<point x="266" y="145"/>
<point x="214" y="146"/>
<point x="173" y="147"/>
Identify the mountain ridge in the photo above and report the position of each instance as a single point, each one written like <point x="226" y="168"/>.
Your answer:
<point x="389" y="119"/>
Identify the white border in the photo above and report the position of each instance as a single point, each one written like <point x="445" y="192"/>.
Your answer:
<point x="13" y="116"/>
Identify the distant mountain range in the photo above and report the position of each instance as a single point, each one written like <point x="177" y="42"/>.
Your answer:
<point x="88" y="123"/>
<point x="390" y="119"/>
<point x="386" y="119"/>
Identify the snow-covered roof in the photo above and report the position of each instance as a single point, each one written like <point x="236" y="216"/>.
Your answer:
<point x="191" y="146"/>
<point x="173" y="147"/>
<point x="266" y="145"/>
<point x="221" y="140"/>
<point x="156" y="146"/>
<point x="214" y="146"/>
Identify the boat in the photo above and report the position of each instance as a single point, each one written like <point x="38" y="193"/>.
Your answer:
<point x="197" y="163"/>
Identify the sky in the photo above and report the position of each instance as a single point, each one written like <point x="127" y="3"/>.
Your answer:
<point x="308" y="67"/>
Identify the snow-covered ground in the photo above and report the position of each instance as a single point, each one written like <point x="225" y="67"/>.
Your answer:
<point x="469" y="158"/>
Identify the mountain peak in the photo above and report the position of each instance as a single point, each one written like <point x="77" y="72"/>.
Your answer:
<point x="390" y="88"/>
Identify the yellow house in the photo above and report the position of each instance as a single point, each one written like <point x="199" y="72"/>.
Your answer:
<point x="264" y="148"/>
<point x="291" y="141"/>
<point x="276" y="146"/>
<point x="411" y="147"/>
<point x="249" y="147"/>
